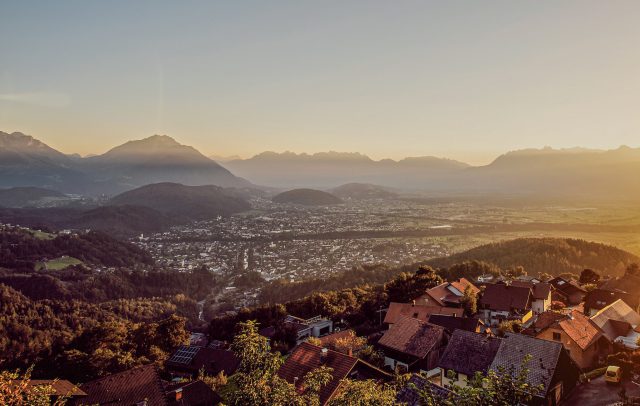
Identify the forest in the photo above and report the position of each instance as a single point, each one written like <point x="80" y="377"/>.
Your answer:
<point x="21" y="249"/>
<point x="546" y="255"/>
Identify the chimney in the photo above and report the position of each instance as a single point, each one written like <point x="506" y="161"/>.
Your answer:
<point x="350" y="352"/>
<point x="178" y="394"/>
<point x="295" y="380"/>
<point x="323" y="355"/>
<point x="413" y="303"/>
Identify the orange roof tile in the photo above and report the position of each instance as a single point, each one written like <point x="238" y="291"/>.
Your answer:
<point x="412" y="336"/>
<point x="306" y="357"/>
<point x="420" y="312"/>
<point x="126" y="388"/>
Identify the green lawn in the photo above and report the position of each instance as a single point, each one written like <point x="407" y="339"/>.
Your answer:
<point x="59" y="263"/>
<point x="41" y="235"/>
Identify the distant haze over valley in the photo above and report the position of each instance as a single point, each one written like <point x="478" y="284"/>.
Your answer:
<point x="576" y="172"/>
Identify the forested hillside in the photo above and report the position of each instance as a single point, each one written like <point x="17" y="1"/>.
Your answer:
<point x="546" y="255"/>
<point x="21" y="249"/>
<point x="79" y="341"/>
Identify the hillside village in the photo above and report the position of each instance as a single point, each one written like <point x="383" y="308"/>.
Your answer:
<point x="431" y="341"/>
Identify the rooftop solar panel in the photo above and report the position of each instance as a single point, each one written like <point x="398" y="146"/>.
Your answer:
<point x="184" y="355"/>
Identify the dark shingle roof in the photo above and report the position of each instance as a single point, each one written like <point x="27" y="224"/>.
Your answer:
<point x="544" y="358"/>
<point x="504" y="297"/>
<point x="213" y="360"/>
<point x="566" y="286"/>
<point x="539" y="290"/>
<point x="600" y="298"/>
<point x="451" y="323"/>
<point x="126" y="388"/>
<point x="412" y="336"/>
<point x="410" y="396"/>
<point x="469" y="353"/>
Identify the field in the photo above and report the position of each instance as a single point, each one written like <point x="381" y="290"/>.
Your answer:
<point x="58" y="263"/>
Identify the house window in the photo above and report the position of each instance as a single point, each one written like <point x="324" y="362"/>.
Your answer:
<point x="415" y="315"/>
<point x="557" y="337"/>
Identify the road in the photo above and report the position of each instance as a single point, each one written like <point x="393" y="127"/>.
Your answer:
<point x="599" y="393"/>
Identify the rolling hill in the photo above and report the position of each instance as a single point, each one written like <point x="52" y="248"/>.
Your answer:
<point x="187" y="202"/>
<point x="28" y="196"/>
<point x="307" y="197"/>
<point x="551" y="255"/>
<point x="362" y="191"/>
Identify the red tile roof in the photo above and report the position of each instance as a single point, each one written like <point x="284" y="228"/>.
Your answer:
<point x="307" y="357"/>
<point x="126" y="388"/>
<point x="421" y="312"/>
<point x="581" y="329"/>
<point x="330" y="340"/>
<point x="412" y="336"/>
<point x="194" y="393"/>
<point x="444" y="293"/>
<point x="462" y="284"/>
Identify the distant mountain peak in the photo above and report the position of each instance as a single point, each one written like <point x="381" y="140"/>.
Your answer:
<point x="318" y="156"/>
<point x="154" y="145"/>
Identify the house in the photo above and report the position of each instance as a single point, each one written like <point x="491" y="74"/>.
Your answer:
<point x="540" y="292"/>
<point x="187" y="361"/>
<point x="502" y="301"/>
<point x="567" y="290"/>
<point x="142" y="386"/>
<point x="397" y="311"/>
<point x="307" y="357"/>
<point x="60" y="388"/>
<point x="413" y="345"/>
<point x="628" y="283"/>
<point x="313" y="327"/>
<point x="452" y="323"/>
<point x="192" y="393"/>
<point x="550" y="366"/>
<point x="410" y="394"/>
<point x="619" y="323"/>
<point x="598" y="299"/>
<point x="466" y="354"/>
<point x="447" y="294"/>
<point x="580" y="336"/>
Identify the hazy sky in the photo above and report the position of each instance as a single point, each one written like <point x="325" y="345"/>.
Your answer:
<point x="463" y="79"/>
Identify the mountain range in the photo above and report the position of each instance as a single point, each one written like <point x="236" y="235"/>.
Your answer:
<point x="573" y="173"/>
<point x="566" y="173"/>
<point x="25" y="161"/>
<point x="331" y="169"/>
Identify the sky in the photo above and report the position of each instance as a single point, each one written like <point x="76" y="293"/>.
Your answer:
<point x="461" y="79"/>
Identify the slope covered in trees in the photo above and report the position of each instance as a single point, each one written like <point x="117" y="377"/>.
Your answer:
<point x="21" y="249"/>
<point x="189" y="202"/>
<point x="546" y="255"/>
<point x="80" y="341"/>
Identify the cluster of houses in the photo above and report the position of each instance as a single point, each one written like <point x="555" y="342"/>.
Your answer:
<point x="564" y="331"/>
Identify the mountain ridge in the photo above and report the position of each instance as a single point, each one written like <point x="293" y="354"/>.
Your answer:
<point x="26" y="161"/>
